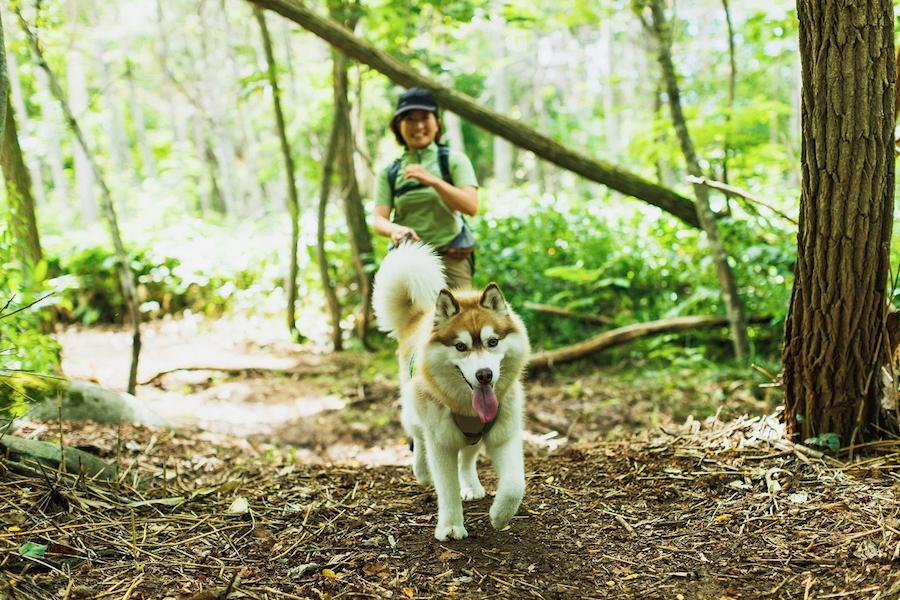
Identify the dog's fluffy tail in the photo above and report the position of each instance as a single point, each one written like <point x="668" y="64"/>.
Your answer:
<point x="406" y="285"/>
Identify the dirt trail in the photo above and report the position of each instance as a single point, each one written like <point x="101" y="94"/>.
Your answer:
<point x="286" y="478"/>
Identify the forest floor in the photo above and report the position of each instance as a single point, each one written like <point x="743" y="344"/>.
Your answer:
<point x="283" y="474"/>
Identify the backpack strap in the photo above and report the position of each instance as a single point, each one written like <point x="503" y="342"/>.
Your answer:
<point x="444" y="163"/>
<point x="394" y="172"/>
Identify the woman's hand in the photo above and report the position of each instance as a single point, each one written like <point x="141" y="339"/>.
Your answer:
<point x="420" y="174"/>
<point x="398" y="234"/>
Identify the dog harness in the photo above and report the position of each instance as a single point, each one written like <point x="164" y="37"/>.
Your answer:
<point x="472" y="427"/>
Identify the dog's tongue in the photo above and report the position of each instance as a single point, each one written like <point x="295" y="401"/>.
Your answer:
<point x="484" y="402"/>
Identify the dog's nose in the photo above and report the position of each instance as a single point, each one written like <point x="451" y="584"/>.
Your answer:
<point x="484" y="376"/>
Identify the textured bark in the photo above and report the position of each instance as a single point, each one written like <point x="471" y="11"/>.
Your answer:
<point x="835" y="342"/>
<point x="126" y="277"/>
<point x="733" y="306"/>
<point x="293" y="202"/>
<point x="357" y="226"/>
<point x="18" y="192"/>
<point x="518" y="133"/>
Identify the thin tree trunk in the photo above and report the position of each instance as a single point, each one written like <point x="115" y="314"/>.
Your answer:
<point x="499" y="87"/>
<point x="78" y="100"/>
<point x="4" y="81"/>
<point x="17" y="103"/>
<point x="334" y="306"/>
<point x="126" y="277"/>
<point x="293" y="202"/>
<point x="733" y="306"/>
<point x="49" y="130"/>
<point x="835" y="343"/>
<point x="18" y="190"/>
<point x="114" y="119"/>
<point x="148" y="163"/>
<point x="732" y="84"/>
<point x="358" y="228"/>
<point x="502" y="125"/>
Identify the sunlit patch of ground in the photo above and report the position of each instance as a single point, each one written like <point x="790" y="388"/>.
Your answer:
<point x="246" y="377"/>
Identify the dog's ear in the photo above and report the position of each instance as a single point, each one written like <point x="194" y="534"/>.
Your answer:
<point x="446" y="307"/>
<point x="492" y="299"/>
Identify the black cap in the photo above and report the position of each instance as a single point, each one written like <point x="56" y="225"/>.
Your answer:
<point x="415" y="99"/>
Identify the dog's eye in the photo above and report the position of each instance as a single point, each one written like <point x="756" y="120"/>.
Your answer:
<point x="492" y="342"/>
<point x="461" y="347"/>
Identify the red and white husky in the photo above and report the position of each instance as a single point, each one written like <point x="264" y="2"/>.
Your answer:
<point x="462" y="354"/>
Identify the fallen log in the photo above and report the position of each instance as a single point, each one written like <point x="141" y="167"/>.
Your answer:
<point x="621" y="335"/>
<point x="76" y="461"/>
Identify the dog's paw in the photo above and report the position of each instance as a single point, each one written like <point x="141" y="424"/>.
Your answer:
<point x="472" y="492"/>
<point x="503" y="509"/>
<point x="450" y="532"/>
<point x="423" y="476"/>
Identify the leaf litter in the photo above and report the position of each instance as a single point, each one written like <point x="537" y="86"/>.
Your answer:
<point x="713" y="510"/>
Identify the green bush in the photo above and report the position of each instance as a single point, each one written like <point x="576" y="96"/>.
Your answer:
<point x="629" y="271"/>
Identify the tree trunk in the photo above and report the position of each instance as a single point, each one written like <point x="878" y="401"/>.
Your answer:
<point x="4" y="82"/>
<point x="519" y="134"/>
<point x="358" y="228"/>
<point x="148" y="163"/>
<point x="126" y="277"/>
<point x="499" y="86"/>
<point x="17" y="104"/>
<point x="50" y="131"/>
<point x="733" y="305"/>
<point x="835" y="343"/>
<point x="18" y="191"/>
<point x="293" y="202"/>
<point x="334" y="306"/>
<point x="732" y="84"/>
<point x="114" y="120"/>
<point x="78" y="99"/>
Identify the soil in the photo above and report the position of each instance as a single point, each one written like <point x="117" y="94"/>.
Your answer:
<point x="284" y="474"/>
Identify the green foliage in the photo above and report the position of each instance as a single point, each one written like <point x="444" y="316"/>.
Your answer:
<point x="632" y="270"/>
<point x="24" y="342"/>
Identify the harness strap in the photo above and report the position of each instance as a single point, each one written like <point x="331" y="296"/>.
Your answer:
<point x="472" y="428"/>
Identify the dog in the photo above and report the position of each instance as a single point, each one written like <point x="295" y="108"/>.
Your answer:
<point x="462" y="355"/>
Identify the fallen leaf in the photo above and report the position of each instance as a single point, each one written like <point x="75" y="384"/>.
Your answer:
<point x="408" y="592"/>
<point x="448" y="555"/>
<point x="32" y="550"/>
<point x="240" y="506"/>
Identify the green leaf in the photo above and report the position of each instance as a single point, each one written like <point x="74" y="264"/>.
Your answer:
<point x="831" y="441"/>
<point x="32" y="550"/>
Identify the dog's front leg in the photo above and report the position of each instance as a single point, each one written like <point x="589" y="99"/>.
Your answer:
<point x="510" y="466"/>
<point x="444" y="462"/>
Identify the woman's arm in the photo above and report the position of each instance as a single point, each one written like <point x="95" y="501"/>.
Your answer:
<point x="464" y="199"/>
<point x="381" y="222"/>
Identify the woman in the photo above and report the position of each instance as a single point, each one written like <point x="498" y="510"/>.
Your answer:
<point x="425" y="204"/>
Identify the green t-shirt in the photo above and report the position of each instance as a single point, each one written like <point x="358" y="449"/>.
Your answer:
<point x="423" y="209"/>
